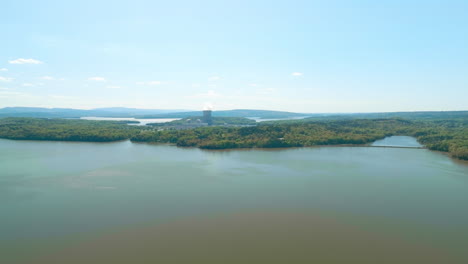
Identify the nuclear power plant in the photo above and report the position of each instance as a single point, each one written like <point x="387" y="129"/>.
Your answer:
<point x="207" y="117"/>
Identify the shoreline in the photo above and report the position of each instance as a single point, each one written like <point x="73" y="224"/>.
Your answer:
<point x="465" y="162"/>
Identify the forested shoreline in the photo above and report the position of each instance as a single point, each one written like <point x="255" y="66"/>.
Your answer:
<point x="447" y="135"/>
<point x="65" y="129"/>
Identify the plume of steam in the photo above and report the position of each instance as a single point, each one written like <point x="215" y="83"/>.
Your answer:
<point x="208" y="106"/>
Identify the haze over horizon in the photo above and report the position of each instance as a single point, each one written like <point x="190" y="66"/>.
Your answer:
<point x="298" y="56"/>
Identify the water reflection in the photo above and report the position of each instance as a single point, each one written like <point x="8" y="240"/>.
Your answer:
<point x="397" y="141"/>
<point x="125" y="202"/>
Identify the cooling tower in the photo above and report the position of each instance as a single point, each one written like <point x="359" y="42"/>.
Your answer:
<point x="207" y="117"/>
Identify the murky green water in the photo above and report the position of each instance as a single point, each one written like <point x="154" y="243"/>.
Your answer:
<point x="139" y="203"/>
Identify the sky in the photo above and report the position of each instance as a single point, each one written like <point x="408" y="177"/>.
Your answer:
<point x="309" y="56"/>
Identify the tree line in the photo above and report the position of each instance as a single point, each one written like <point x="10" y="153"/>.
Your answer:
<point x="65" y="129"/>
<point x="447" y="135"/>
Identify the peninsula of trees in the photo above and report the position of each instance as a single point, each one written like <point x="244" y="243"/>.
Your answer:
<point x="217" y="121"/>
<point x="447" y="135"/>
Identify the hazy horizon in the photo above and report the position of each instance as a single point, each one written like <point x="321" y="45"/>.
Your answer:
<point x="296" y="56"/>
<point x="233" y="109"/>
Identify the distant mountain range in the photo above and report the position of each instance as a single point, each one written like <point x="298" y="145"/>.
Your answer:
<point x="137" y="113"/>
<point x="265" y="114"/>
<point x="417" y="115"/>
<point x="77" y="113"/>
<point x="180" y="113"/>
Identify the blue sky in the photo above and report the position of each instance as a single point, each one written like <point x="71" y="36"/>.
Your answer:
<point x="305" y="56"/>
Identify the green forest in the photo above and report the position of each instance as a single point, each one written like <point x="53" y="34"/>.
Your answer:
<point x="447" y="135"/>
<point x="221" y="121"/>
<point x="65" y="129"/>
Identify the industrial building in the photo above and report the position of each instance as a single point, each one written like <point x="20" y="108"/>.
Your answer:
<point x="207" y="117"/>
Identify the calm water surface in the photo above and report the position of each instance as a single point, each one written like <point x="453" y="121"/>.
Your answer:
<point x="64" y="202"/>
<point x="397" y="141"/>
<point x="259" y="119"/>
<point x="143" y="121"/>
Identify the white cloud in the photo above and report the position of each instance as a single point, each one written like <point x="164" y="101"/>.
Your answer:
<point x="209" y="94"/>
<point x="6" y="79"/>
<point x="28" y="84"/>
<point x="25" y="61"/>
<point x="113" y="87"/>
<point x="10" y="94"/>
<point x="266" y="91"/>
<point x="149" y="83"/>
<point x="48" y="78"/>
<point x="61" y="97"/>
<point x="214" y="78"/>
<point x="154" y="83"/>
<point x="253" y="84"/>
<point x="3" y="69"/>
<point x="297" y="74"/>
<point x="97" y="79"/>
<point x="208" y="106"/>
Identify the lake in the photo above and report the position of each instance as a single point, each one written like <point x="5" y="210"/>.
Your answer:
<point x="259" y="119"/>
<point x="68" y="202"/>
<point x="143" y="121"/>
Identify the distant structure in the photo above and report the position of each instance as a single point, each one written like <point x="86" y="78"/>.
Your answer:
<point x="207" y="117"/>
